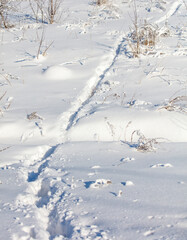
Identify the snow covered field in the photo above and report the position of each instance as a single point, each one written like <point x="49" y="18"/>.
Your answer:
<point x="93" y="134"/>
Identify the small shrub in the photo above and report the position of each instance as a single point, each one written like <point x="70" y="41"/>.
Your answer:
<point x="46" y="11"/>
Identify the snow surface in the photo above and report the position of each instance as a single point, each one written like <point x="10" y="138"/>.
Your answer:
<point x="93" y="140"/>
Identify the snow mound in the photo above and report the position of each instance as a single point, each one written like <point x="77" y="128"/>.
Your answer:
<point x="58" y="73"/>
<point x="119" y="124"/>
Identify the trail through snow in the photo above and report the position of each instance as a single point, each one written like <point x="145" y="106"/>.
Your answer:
<point x="69" y="118"/>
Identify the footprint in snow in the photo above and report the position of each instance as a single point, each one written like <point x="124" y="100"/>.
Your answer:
<point x="166" y="165"/>
<point x="99" y="183"/>
<point x="124" y="160"/>
<point x="127" y="183"/>
<point x="117" y="195"/>
<point x="181" y="182"/>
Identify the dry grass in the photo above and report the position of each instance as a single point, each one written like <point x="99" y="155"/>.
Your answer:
<point x="111" y="127"/>
<point x="6" y="77"/>
<point x="6" y="6"/>
<point x="33" y="116"/>
<point x="46" y="11"/>
<point x="41" y="43"/>
<point x="143" y="144"/>
<point x="115" y="97"/>
<point x="178" y="104"/>
<point x="1" y="97"/>
<point x="143" y="37"/>
<point x="101" y="2"/>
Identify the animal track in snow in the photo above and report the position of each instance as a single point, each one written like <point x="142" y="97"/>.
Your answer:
<point x="127" y="183"/>
<point x="99" y="183"/>
<point x="166" y="165"/>
<point x="124" y="160"/>
<point x="181" y="182"/>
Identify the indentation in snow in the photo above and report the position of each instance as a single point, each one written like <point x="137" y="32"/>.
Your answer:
<point x="127" y="183"/>
<point x="99" y="183"/>
<point x="166" y="165"/>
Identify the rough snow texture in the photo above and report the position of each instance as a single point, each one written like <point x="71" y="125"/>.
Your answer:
<point x="93" y="141"/>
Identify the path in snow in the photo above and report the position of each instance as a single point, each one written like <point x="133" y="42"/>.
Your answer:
<point x="69" y="118"/>
<point x="39" y="185"/>
<point x="79" y="194"/>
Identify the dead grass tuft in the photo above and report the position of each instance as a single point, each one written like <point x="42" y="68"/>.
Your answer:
<point x="178" y="104"/>
<point x="143" y="144"/>
<point x="33" y="116"/>
<point x="142" y="39"/>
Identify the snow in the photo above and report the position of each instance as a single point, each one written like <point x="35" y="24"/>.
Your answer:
<point x="58" y="73"/>
<point x="94" y="140"/>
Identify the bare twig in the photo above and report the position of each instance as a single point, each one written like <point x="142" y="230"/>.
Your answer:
<point x="40" y="44"/>
<point x="41" y="40"/>
<point x="45" y="51"/>
<point x="6" y="78"/>
<point x="125" y="133"/>
<point x="5" y="7"/>
<point x="2" y="96"/>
